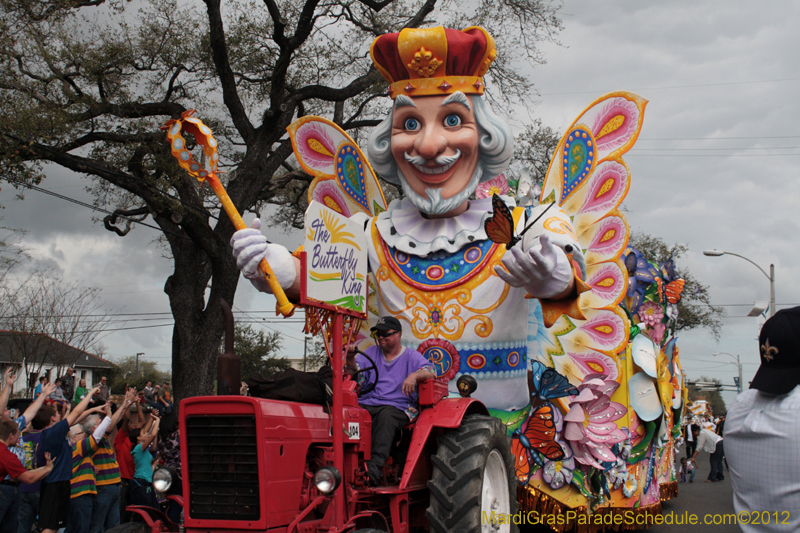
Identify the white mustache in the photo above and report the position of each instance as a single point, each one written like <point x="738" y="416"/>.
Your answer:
<point x="445" y="162"/>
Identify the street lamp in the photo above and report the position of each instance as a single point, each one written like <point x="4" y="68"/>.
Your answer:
<point x="770" y="276"/>
<point x="738" y="365"/>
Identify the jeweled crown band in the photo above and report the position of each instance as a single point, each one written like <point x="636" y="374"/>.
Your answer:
<point x="437" y="86"/>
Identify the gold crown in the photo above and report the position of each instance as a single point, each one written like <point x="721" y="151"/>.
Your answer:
<point x="434" y="61"/>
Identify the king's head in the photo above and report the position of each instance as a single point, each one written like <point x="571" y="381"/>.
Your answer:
<point x="440" y="140"/>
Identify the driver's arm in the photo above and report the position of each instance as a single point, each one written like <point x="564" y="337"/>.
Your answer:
<point x="350" y="365"/>
<point x="424" y="374"/>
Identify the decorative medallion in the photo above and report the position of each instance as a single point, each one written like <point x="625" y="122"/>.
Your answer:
<point x="443" y="356"/>
<point x="440" y="270"/>
<point x="436" y="316"/>
<point x="476" y="361"/>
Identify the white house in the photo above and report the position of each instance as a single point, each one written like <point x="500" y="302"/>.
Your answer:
<point x="34" y="354"/>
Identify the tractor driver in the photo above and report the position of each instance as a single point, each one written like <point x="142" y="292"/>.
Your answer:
<point x="393" y="401"/>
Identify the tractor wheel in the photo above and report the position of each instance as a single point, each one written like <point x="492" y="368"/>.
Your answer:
<point x="473" y="477"/>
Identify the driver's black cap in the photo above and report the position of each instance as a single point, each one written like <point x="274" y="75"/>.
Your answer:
<point x="387" y="323"/>
<point x="779" y="344"/>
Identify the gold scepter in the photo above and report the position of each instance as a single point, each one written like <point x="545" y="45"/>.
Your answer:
<point x="205" y="138"/>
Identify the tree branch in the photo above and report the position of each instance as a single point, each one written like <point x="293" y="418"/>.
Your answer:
<point x="329" y="94"/>
<point x="172" y="80"/>
<point x="109" y="221"/>
<point x="375" y="6"/>
<point x="130" y="110"/>
<point x="304" y="26"/>
<point x="219" y="52"/>
<point x="367" y="123"/>
<point x="278" y="24"/>
<point x="103" y="136"/>
<point x="423" y="12"/>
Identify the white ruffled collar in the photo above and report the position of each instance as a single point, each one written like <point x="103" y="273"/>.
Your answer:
<point x="404" y="227"/>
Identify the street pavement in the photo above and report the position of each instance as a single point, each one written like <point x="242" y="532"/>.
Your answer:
<point x="706" y="501"/>
<point x="711" y="501"/>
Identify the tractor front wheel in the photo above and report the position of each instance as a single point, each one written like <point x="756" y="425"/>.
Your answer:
<point x="473" y="488"/>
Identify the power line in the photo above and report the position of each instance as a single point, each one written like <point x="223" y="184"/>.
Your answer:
<point x="631" y="154"/>
<point x="714" y="138"/>
<point x="260" y="321"/>
<point x="94" y="208"/>
<point x="719" y="149"/>
<point x="97" y="168"/>
<point x="680" y="86"/>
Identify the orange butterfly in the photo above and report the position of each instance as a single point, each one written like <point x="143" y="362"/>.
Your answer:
<point x="500" y="226"/>
<point x="540" y="434"/>
<point x="674" y="290"/>
<point x="522" y="462"/>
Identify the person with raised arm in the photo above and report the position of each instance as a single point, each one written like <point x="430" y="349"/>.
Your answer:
<point x="105" y="513"/>
<point x="142" y="492"/>
<point x="123" y="447"/>
<point x="10" y="465"/>
<point x="55" y="491"/>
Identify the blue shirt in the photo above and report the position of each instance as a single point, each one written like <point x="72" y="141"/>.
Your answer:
<point x="389" y="390"/>
<point x="54" y="441"/>
<point x="143" y="463"/>
<point x="32" y="457"/>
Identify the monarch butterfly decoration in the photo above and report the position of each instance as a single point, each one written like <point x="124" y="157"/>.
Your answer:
<point x="674" y="289"/>
<point x="500" y="226"/>
<point x="540" y="433"/>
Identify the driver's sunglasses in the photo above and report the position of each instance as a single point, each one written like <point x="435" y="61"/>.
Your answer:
<point x="384" y="334"/>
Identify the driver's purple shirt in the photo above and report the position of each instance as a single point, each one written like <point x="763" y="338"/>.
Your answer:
<point x="389" y="390"/>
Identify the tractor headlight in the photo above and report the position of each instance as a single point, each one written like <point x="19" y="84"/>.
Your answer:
<point x="327" y="479"/>
<point x="162" y="479"/>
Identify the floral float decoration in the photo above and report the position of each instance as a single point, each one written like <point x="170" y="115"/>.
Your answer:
<point x="497" y="185"/>
<point x="613" y="437"/>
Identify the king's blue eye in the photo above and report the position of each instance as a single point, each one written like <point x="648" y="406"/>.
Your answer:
<point x="452" y="121"/>
<point x="411" y="124"/>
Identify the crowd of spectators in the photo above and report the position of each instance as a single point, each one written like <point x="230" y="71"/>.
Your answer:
<point x="58" y="464"/>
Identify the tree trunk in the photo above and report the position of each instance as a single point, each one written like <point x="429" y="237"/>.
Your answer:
<point x="199" y="324"/>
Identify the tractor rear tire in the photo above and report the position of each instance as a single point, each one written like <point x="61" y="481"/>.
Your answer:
<point x="473" y="476"/>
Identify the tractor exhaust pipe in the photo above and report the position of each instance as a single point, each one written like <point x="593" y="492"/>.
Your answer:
<point x="229" y="366"/>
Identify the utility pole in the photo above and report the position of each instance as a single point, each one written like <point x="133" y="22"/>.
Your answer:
<point x="137" y="364"/>
<point x="305" y="351"/>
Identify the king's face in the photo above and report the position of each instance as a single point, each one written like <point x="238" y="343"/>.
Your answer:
<point x="435" y="143"/>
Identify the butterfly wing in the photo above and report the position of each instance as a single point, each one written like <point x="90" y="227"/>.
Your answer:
<point x="541" y="432"/>
<point x="674" y="290"/>
<point x="500" y="226"/>
<point x="553" y="385"/>
<point x="522" y="462"/>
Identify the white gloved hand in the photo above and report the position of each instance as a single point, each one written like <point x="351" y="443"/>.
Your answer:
<point x="543" y="271"/>
<point x="250" y="246"/>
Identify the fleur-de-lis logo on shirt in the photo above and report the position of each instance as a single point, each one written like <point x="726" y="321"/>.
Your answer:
<point x="768" y="352"/>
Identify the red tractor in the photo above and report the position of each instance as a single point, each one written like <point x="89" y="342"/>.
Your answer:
<point x="269" y="465"/>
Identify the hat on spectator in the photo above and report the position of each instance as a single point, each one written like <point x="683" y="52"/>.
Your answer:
<point x="387" y="323"/>
<point x="779" y="343"/>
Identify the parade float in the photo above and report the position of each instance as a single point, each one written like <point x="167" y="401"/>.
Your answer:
<point x="581" y="363"/>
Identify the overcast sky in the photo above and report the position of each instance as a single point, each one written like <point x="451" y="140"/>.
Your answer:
<point x="714" y="167"/>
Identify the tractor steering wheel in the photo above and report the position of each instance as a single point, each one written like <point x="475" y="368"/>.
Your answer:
<point x="370" y="386"/>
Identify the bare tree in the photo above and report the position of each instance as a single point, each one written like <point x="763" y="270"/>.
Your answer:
<point x="50" y="323"/>
<point x="90" y="94"/>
